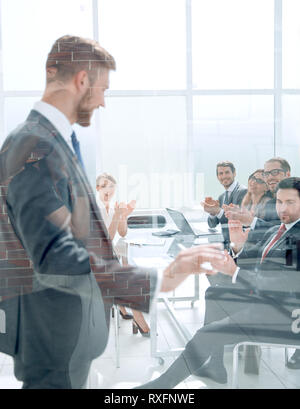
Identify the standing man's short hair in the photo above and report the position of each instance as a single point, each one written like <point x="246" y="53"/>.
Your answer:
<point x="71" y="54"/>
<point x="225" y="164"/>
<point x="283" y="163"/>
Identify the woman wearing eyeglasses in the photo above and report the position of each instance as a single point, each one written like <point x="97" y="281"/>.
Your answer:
<point x="258" y="194"/>
<point x="255" y="201"/>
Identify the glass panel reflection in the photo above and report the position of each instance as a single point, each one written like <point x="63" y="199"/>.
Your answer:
<point x="227" y="52"/>
<point x="234" y="128"/>
<point x="21" y="69"/>
<point x="150" y="48"/>
<point x="145" y="149"/>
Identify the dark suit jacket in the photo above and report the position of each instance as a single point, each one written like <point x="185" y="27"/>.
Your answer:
<point x="262" y="225"/>
<point x="276" y="278"/>
<point x="235" y="197"/>
<point x="265" y="295"/>
<point x="277" y="275"/>
<point x="46" y="260"/>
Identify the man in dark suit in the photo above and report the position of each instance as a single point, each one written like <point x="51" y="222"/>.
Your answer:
<point x="59" y="273"/>
<point x="275" y="170"/>
<point x="221" y="299"/>
<point x="271" y="306"/>
<point x="234" y="193"/>
<point x="233" y="196"/>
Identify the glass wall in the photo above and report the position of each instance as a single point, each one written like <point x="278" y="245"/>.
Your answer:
<point x="197" y="82"/>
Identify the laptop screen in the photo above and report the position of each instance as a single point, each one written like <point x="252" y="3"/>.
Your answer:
<point x="181" y="222"/>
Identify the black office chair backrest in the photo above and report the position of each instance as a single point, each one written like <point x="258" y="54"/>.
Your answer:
<point x="146" y="221"/>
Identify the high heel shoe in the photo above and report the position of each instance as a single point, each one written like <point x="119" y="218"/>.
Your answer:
<point x="126" y="316"/>
<point x="136" y="328"/>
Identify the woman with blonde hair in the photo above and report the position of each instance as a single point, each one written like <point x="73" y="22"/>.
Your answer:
<point x="115" y="219"/>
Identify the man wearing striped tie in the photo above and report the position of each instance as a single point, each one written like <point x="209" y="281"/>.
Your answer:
<point x="271" y="296"/>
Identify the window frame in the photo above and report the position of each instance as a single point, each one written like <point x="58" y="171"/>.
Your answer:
<point x="277" y="91"/>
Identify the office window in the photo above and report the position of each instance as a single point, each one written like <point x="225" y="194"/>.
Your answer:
<point x="290" y="43"/>
<point x="288" y="144"/>
<point x="238" y="128"/>
<point x="16" y="110"/>
<point x="37" y="24"/>
<point x="148" y="40"/>
<point x="191" y="74"/>
<point x="147" y="149"/>
<point x="232" y="44"/>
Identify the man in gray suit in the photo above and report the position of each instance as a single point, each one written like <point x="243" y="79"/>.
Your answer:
<point x="234" y="193"/>
<point x="59" y="273"/>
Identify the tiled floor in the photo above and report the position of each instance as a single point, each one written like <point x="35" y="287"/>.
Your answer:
<point x="137" y="366"/>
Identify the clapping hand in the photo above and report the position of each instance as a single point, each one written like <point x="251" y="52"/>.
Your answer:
<point x="238" y="236"/>
<point x="211" y="206"/>
<point x="130" y="207"/>
<point x="123" y="210"/>
<point x="234" y="212"/>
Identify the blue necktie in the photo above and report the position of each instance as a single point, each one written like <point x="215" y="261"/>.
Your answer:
<point x="76" y="147"/>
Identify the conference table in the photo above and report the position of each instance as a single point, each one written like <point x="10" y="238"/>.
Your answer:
<point x="141" y="248"/>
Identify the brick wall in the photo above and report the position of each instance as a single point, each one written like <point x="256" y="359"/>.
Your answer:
<point x="16" y="273"/>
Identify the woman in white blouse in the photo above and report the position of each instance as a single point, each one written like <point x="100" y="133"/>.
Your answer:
<point x="115" y="219"/>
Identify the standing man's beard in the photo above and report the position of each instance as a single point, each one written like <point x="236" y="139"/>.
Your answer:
<point x="83" y="113"/>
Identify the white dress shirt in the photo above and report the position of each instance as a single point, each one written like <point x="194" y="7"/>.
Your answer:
<point x="106" y="216"/>
<point x="229" y="190"/>
<point x="57" y="119"/>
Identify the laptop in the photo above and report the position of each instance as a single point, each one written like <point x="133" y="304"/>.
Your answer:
<point x="177" y="245"/>
<point x="184" y="226"/>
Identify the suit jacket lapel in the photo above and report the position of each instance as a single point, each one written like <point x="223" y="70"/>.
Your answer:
<point x="289" y="233"/>
<point x="69" y="153"/>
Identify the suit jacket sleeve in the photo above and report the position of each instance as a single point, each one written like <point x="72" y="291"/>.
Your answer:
<point x="272" y="277"/>
<point x="213" y="221"/>
<point x="53" y="185"/>
<point x="240" y="196"/>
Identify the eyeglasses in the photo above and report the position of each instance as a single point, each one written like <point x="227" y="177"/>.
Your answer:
<point x="257" y="180"/>
<point x="273" y="172"/>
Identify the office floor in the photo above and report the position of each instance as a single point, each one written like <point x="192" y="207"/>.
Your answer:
<point x="137" y="366"/>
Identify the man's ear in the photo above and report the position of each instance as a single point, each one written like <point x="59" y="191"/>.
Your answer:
<point x="81" y="81"/>
<point x="51" y="73"/>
